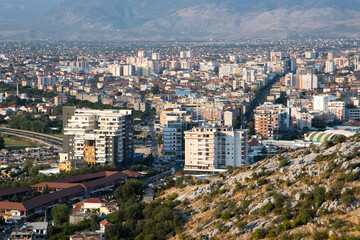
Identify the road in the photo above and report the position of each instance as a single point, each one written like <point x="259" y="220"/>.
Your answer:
<point x="261" y="98"/>
<point x="158" y="177"/>
<point x="154" y="145"/>
<point x="49" y="140"/>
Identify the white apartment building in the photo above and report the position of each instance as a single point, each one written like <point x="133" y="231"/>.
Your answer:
<point x="308" y="82"/>
<point x="212" y="149"/>
<point x="226" y="70"/>
<point x="330" y="66"/>
<point x="320" y="102"/>
<point x="156" y="56"/>
<point x="98" y="136"/>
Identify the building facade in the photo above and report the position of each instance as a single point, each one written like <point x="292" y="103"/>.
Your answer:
<point x="212" y="149"/>
<point x="272" y="120"/>
<point x="99" y="136"/>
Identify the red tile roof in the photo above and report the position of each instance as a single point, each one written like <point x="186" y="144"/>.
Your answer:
<point x="105" y="223"/>
<point x="131" y="173"/>
<point x="12" y="206"/>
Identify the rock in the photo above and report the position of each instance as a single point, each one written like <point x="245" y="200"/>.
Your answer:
<point x="229" y="224"/>
<point x="234" y="231"/>
<point x="356" y="170"/>
<point x="253" y="224"/>
<point x="345" y="189"/>
<point x="214" y="233"/>
<point x="345" y="165"/>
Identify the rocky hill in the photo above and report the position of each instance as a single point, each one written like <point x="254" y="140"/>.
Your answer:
<point x="178" y="20"/>
<point x="306" y="194"/>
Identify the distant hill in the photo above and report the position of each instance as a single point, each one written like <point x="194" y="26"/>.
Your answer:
<point x="178" y="20"/>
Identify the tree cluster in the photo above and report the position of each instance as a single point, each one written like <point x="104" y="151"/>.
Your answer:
<point x="139" y="220"/>
<point x="27" y="123"/>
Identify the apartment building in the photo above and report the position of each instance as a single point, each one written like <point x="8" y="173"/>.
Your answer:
<point x="321" y="102"/>
<point x="98" y="136"/>
<point x="308" y="82"/>
<point x="173" y="138"/>
<point x="272" y="120"/>
<point x="212" y="149"/>
<point x="337" y="108"/>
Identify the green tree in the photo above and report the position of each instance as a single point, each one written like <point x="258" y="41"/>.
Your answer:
<point x="159" y="139"/>
<point x="60" y="214"/>
<point x="131" y="189"/>
<point x="112" y="233"/>
<point x="2" y="142"/>
<point x="28" y="165"/>
<point x="149" y="160"/>
<point x="251" y="126"/>
<point x="155" y="89"/>
<point x="46" y="190"/>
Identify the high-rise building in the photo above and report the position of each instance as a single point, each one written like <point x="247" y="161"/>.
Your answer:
<point x="308" y="82"/>
<point x="156" y="56"/>
<point x="357" y="64"/>
<point x="173" y="139"/>
<point x="291" y="80"/>
<point x="235" y="58"/>
<point x="311" y="54"/>
<point x="293" y="65"/>
<point x="211" y="149"/>
<point x="320" y="102"/>
<point x="338" y="109"/>
<point x="330" y="66"/>
<point x="98" y="136"/>
<point x="272" y="120"/>
<point x="187" y="54"/>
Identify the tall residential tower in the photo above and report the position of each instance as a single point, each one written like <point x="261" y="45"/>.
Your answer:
<point x="212" y="149"/>
<point x="98" y="136"/>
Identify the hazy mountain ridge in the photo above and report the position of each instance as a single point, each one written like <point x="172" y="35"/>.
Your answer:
<point x="187" y="20"/>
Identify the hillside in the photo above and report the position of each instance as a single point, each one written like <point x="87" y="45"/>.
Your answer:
<point x="178" y="20"/>
<point x="304" y="194"/>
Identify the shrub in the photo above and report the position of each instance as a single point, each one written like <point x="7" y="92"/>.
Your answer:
<point x="320" y="235"/>
<point x="287" y="183"/>
<point x="303" y="218"/>
<point x="241" y="226"/>
<point x="329" y="144"/>
<point x="259" y="233"/>
<point x="204" y="209"/>
<point x="272" y="234"/>
<point x="283" y="162"/>
<point x="284" y="226"/>
<point x="219" y="226"/>
<point x="226" y="215"/>
<point x="267" y="208"/>
<point x="262" y="181"/>
<point x="338" y="224"/>
<point x="347" y="197"/>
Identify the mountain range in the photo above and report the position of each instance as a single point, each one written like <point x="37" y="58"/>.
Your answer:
<point x="178" y="20"/>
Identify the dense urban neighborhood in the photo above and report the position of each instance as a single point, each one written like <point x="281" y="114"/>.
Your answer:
<point x="179" y="140"/>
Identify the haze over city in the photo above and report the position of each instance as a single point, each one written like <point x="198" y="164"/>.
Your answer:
<point x="192" y="119"/>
